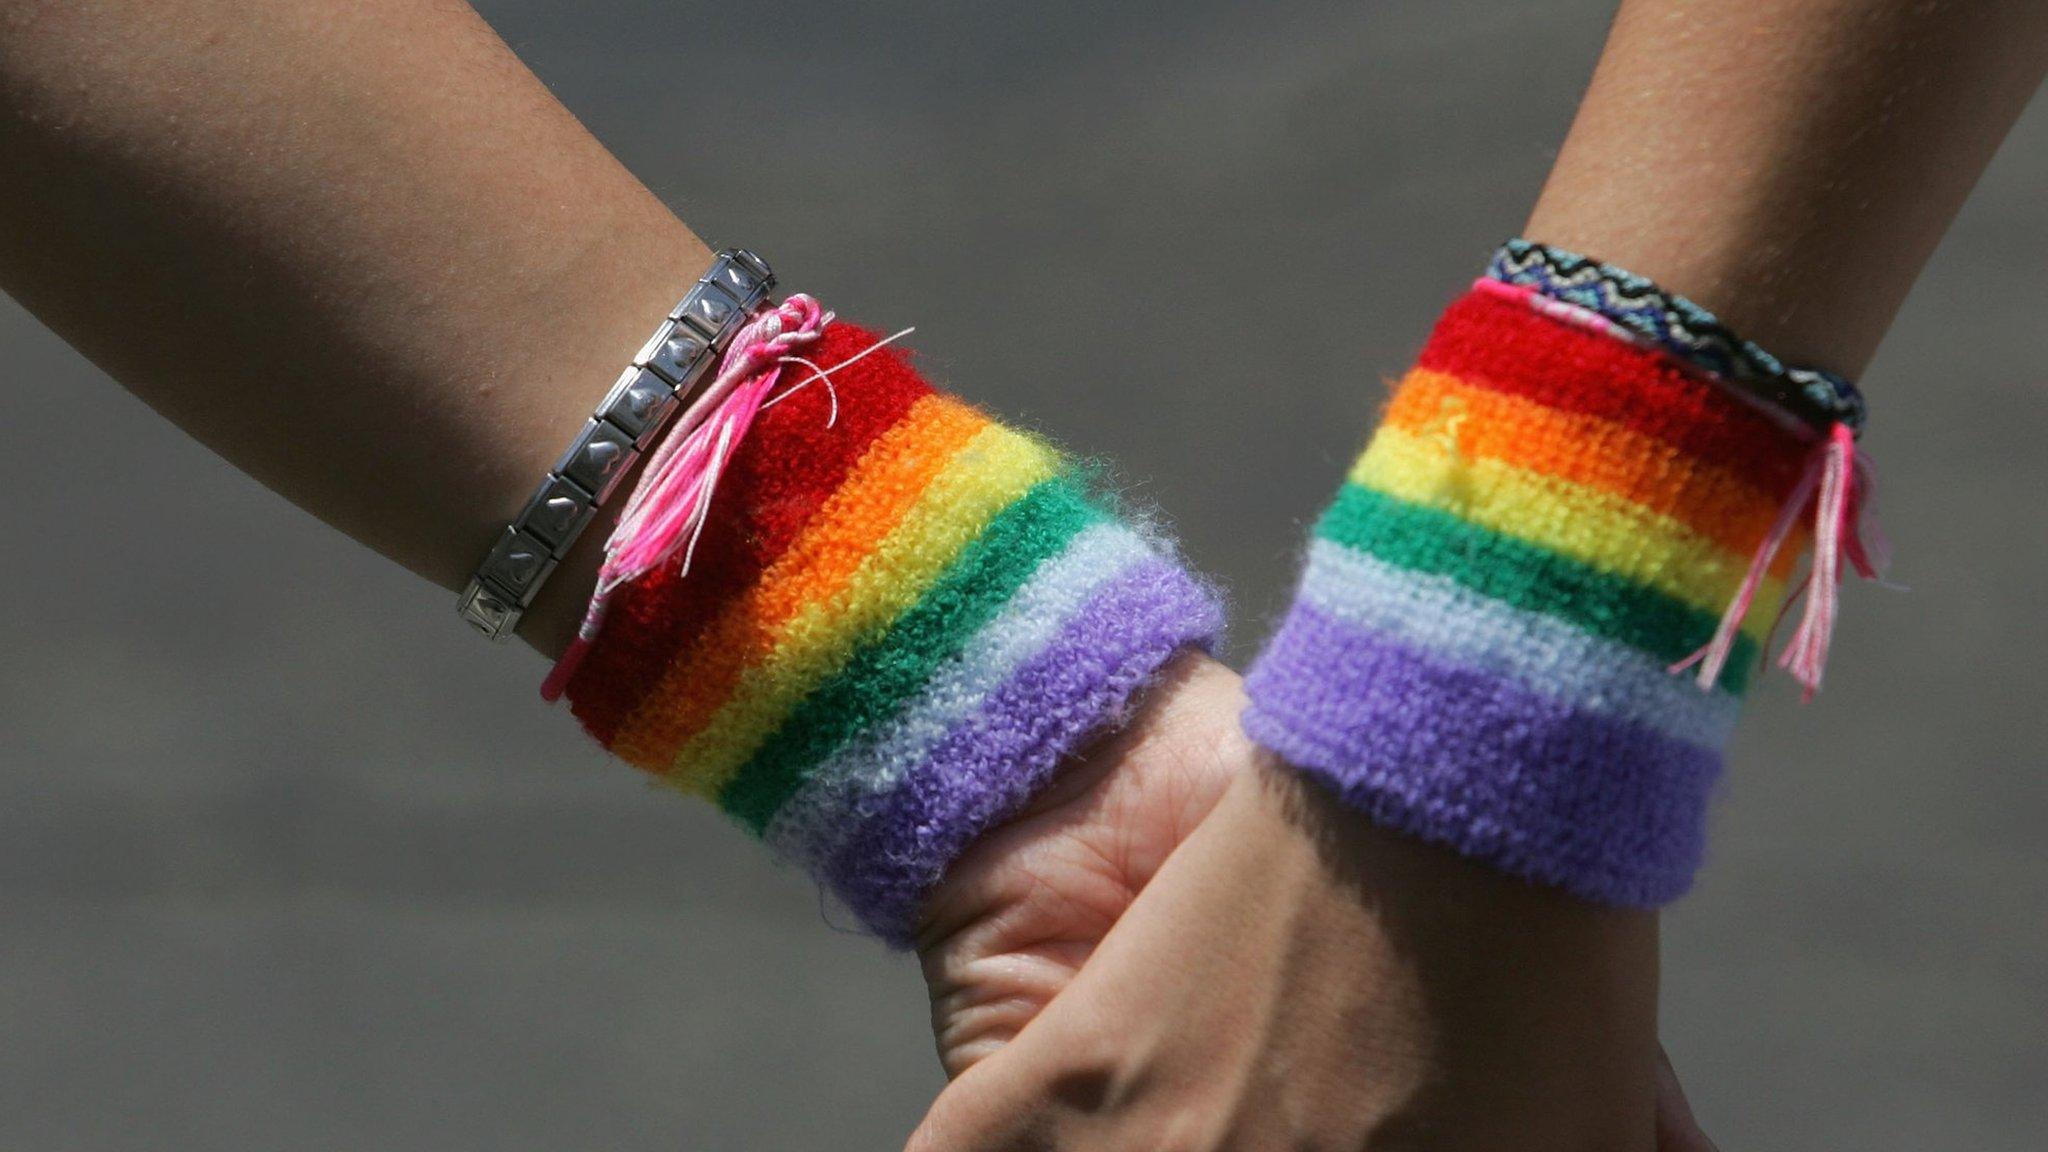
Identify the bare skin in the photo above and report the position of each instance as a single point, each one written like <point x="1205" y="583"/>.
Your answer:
<point x="1185" y="945"/>
<point x="343" y="243"/>
<point x="1797" y="185"/>
<point x="1807" y="181"/>
<point x="460" y="268"/>
<point x="357" y="249"/>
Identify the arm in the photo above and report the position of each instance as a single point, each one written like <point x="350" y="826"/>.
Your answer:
<point x="362" y="253"/>
<point x="357" y="249"/>
<point x="1790" y="164"/>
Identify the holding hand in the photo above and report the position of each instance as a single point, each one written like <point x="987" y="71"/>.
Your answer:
<point x="1168" y="939"/>
<point x="1186" y="945"/>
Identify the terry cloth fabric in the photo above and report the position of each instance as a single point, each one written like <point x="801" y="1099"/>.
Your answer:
<point x="1478" y="654"/>
<point x="893" y="630"/>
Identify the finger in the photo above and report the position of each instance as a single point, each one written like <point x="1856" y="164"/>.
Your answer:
<point x="1677" y="1130"/>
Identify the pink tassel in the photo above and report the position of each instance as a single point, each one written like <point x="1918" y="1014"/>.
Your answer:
<point x="1836" y="485"/>
<point x="672" y="502"/>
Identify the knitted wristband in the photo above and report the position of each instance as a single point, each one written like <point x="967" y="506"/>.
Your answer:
<point x="1480" y="651"/>
<point x="897" y="621"/>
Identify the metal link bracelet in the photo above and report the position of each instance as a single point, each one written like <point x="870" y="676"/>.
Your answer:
<point x="659" y="382"/>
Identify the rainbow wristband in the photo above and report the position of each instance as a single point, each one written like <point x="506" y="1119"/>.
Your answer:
<point x="1479" y="653"/>
<point x="895" y="626"/>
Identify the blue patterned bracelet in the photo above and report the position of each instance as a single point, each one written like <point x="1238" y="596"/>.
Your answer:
<point x="1680" y="328"/>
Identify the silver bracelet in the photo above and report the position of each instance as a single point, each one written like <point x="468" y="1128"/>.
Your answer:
<point x="669" y="368"/>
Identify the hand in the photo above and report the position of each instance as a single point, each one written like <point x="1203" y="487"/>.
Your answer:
<point x="1022" y="911"/>
<point x="1205" y="1016"/>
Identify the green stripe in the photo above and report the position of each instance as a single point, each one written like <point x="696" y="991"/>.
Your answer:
<point x="1526" y="576"/>
<point x="881" y="676"/>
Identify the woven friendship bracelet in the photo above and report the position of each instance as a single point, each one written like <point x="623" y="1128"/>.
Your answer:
<point x="1681" y="328"/>
<point x="1547" y="523"/>
<point x="899" y="617"/>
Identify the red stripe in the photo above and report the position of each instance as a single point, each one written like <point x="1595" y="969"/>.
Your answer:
<point x="785" y="469"/>
<point x="1507" y="347"/>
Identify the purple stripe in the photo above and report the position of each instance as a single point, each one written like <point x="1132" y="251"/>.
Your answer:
<point x="1608" y="809"/>
<point x="989" y="766"/>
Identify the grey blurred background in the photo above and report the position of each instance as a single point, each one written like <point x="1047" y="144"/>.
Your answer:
<point x="288" y="859"/>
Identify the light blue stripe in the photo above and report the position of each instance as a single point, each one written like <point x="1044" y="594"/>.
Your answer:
<point x="813" y="821"/>
<point x="1543" y="653"/>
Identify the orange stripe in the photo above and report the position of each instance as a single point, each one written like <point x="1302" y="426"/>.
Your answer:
<point x="1714" y="502"/>
<point x="881" y="488"/>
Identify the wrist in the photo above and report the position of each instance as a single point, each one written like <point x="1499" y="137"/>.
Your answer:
<point x="1797" y="188"/>
<point x="894" y="622"/>
<point x="600" y="307"/>
<point x="1584" y="487"/>
<point x="1180" y="735"/>
<point x="1796" y="297"/>
<point x="1480" y="979"/>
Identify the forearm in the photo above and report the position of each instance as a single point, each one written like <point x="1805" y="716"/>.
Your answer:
<point x="358" y="249"/>
<point x="362" y="253"/>
<point x="1795" y="187"/>
<point x="1790" y="164"/>
<point x="1549" y="518"/>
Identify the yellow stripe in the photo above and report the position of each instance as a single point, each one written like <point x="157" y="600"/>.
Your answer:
<point x="1715" y="502"/>
<point x="880" y="490"/>
<point x="1586" y="524"/>
<point x="992" y="472"/>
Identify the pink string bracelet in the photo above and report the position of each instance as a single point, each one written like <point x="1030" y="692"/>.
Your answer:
<point x="1833" y="493"/>
<point x="666" y="513"/>
<point x="1553" y="517"/>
